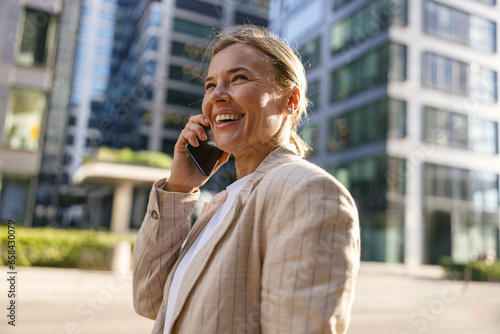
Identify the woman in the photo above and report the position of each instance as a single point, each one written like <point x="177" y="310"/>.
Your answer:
<point x="278" y="251"/>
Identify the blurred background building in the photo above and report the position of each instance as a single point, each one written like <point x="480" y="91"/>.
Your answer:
<point x="406" y="115"/>
<point x="33" y="95"/>
<point x="405" y="107"/>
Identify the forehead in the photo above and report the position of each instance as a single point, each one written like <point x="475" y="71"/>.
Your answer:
<point x="239" y="55"/>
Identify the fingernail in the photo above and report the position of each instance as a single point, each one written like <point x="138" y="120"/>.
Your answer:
<point x="205" y="120"/>
<point x="203" y="136"/>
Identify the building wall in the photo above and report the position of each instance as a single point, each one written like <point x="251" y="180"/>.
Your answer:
<point x="24" y="85"/>
<point x="408" y="225"/>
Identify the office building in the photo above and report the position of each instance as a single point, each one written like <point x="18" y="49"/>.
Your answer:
<point x="30" y="110"/>
<point x="406" y="115"/>
<point x="155" y="79"/>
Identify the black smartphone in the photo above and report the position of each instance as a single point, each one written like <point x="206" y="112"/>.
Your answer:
<point x="206" y="155"/>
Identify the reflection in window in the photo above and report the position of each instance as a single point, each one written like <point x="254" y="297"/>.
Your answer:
<point x="187" y="50"/>
<point x="187" y="74"/>
<point x="374" y="68"/>
<point x="313" y="91"/>
<point x="480" y="188"/>
<point x="310" y="54"/>
<point x="184" y="99"/>
<point x="370" y="123"/>
<point x="458" y="26"/>
<point x="302" y="21"/>
<point x="309" y="134"/>
<point x="13" y="197"/>
<point x="456" y="77"/>
<point x="23" y="120"/>
<point x="366" y="23"/>
<point x="38" y="39"/>
<point x="451" y="129"/>
<point x="192" y="28"/>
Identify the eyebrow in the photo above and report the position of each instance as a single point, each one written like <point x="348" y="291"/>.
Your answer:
<point x="233" y="70"/>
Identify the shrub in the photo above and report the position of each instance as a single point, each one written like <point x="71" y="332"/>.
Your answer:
<point x="479" y="270"/>
<point x="48" y="247"/>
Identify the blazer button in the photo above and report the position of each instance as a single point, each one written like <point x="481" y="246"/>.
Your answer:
<point x="154" y="214"/>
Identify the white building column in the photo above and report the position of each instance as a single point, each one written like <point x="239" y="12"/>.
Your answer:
<point x="122" y="207"/>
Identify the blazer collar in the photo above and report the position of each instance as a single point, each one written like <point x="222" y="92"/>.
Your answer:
<point x="279" y="156"/>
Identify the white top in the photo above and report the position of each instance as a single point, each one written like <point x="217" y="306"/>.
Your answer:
<point x="232" y="191"/>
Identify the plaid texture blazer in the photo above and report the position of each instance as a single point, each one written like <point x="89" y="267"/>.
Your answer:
<point x="283" y="260"/>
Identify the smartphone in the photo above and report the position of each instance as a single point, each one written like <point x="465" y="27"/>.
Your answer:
<point x="206" y="155"/>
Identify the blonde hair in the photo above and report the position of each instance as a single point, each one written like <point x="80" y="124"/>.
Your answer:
<point x="288" y="69"/>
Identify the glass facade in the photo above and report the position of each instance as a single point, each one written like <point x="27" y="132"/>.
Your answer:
<point x="370" y="181"/>
<point x="309" y="134"/>
<point x="367" y="22"/>
<point x="14" y="190"/>
<point x="38" y="39"/>
<point x="372" y="69"/>
<point x="461" y="27"/>
<point x="301" y="22"/>
<point x="461" y="212"/>
<point x="456" y="130"/>
<point x="187" y="74"/>
<point x="457" y="77"/>
<point x="310" y="54"/>
<point x="23" y="120"/>
<point x="184" y="99"/>
<point x="187" y="50"/>
<point x="192" y="28"/>
<point x="370" y="123"/>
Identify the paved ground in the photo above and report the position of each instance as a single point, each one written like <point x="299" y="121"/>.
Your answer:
<point x="57" y="301"/>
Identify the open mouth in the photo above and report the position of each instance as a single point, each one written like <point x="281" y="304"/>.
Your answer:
<point x="226" y="118"/>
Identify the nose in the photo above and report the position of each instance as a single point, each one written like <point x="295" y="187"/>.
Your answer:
<point x="219" y="94"/>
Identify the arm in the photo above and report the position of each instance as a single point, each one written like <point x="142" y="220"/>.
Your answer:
<point x="157" y="245"/>
<point x="311" y="259"/>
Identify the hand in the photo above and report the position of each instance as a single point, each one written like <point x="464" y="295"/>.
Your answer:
<point x="184" y="175"/>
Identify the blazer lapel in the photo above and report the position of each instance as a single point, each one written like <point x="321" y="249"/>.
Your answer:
<point x="279" y="156"/>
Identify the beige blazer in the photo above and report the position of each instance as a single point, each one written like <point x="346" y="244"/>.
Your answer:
<point x="284" y="259"/>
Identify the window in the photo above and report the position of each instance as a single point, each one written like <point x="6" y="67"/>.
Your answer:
<point x="200" y="7"/>
<point x="187" y="74"/>
<point x="192" y="28"/>
<point x="366" y="23"/>
<point x="451" y="129"/>
<point x="174" y="120"/>
<point x="480" y="188"/>
<point x="310" y="54"/>
<point x="184" y="99"/>
<point x="187" y="50"/>
<point x="242" y="18"/>
<point x="302" y="21"/>
<point x="370" y="123"/>
<point x="38" y="39"/>
<point x="13" y="197"/>
<point x="309" y="134"/>
<point x="24" y="117"/>
<point x="461" y="27"/>
<point x="313" y="91"/>
<point x="455" y="77"/>
<point x="374" y="68"/>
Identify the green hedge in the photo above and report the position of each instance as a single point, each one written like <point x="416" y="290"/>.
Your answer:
<point x="479" y="270"/>
<point x="48" y="247"/>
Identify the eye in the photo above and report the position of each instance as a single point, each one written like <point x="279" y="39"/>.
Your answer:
<point x="209" y="85"/>
<point x="239" y="77"/>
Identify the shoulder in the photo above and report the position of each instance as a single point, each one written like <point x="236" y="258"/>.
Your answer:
<point x="301" y="173"/>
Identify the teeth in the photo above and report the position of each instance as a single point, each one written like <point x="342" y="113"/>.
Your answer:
<point x="220" y="118"/>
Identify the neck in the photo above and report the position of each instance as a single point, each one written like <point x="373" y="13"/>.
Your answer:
<point x="246" y="163"/>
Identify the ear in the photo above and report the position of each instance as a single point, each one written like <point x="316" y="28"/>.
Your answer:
<point x="293" y="101"/>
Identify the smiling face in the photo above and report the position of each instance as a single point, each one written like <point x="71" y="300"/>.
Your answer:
<point x="245" y="107"/>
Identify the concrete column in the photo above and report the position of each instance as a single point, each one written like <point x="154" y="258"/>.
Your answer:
<point x="122" y="207"/>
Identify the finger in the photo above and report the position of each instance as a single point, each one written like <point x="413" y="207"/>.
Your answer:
<point x="199" y="119"/>
<point x="197" y="129"/>
<point x="188" y="136"/>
